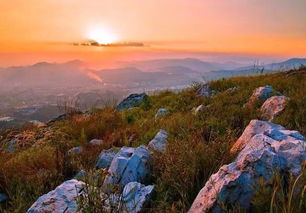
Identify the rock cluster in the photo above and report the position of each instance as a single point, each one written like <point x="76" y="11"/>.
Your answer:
<point x="265" y="148"/>
<point x="132" y="101"/>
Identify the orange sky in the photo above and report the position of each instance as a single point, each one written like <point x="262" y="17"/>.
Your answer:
<point x="35" y="30"/>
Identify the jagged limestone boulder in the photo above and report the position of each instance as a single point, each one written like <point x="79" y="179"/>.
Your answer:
<point x="158" y="143"/>
<point x="61" y="199"/>
<point x="266" y="148"/>
<point x="105" y="158"/>
<point x="129" y="165"/>
<point x="272" y="107"/>
<point x="261" y="94"/>
<point x="132" y="101"/>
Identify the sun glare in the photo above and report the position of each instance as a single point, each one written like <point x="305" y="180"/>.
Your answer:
<point x="102" y="36"/>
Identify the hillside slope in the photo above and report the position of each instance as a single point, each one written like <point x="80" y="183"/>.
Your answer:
<point x="197" y="145"/>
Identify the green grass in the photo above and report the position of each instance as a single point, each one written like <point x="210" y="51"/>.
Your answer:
<point x="197" y="146"/>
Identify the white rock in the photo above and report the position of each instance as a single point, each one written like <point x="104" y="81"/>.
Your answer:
<point x="132" y="101"/>
<point x="204" y="90"/>
<point x="76" y="150"/>
<point x="197" y="109"/>
<point x="129" y="164"/>
<point x="161" y="112"/>
<point x="135" y="195"/>
<point x="272" y="107"/>
<point x="158" y="143"/>
<point x="267" y="148"/>
<point x="61" y="199"/>
<point x="105" y="158"/>
<point x="95" y="142"/>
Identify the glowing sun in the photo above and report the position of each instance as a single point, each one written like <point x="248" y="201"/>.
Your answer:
<point x="102" y="36"/>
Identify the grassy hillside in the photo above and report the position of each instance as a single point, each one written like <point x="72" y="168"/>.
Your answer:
<point x="197" y="146"/>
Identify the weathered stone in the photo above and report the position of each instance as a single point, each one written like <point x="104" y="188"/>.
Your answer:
<point x="3" y="197"/>
<point x="61" y="199"/>
<point x="134" y="197"/>
<point x="267" y="148"/>
<point x="272" y="107"/>
<point x="161" y="112"/>
<point x="105" y="158"/>
<point x="261" y="94"/>
<point x="76" y="150"/>
<point x="132" y="101"/>
<point x="158" y="143"/>
<point x="129" y="164"/>
<point x="95" y="142"/>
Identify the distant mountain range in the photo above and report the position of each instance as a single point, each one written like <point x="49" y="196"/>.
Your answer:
<point x="151" y="73"/>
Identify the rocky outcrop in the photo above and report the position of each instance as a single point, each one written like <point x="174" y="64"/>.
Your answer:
<point x="61" y="199"/>
<point x="161" y="112"/>
<point x="95" y="142"/>
<point x="105" y="158"/>
<point x="76" y="150"/>
<point x="272" y="107"/>
<point x="132" y="101"/>
<point x="129" y="165"/>
<point x="158" y="143"/>
<point x="134" y="196"/>
<point x="266" y="148"/>
<point x="3" y="197"/>
<point x="261" y="94"/>
<point x="206" y="91"/>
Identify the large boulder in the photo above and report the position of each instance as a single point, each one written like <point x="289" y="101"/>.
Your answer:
<point x="158" y="143"/>
<point x="268" y="149"/>
<point x="129" y="164"/>
<point x="261" y="94"/>
<point x="272" y="107"/>
<point x="134" y="196"/>
<point x="105" y="158"/>
<point x="132" y="101"/>
<point x="61" y="199"/>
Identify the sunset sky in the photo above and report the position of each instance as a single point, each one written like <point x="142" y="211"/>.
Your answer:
<point x="35" y="30"/>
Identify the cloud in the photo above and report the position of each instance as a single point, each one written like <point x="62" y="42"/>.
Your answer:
<point x="118" y="44"/>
